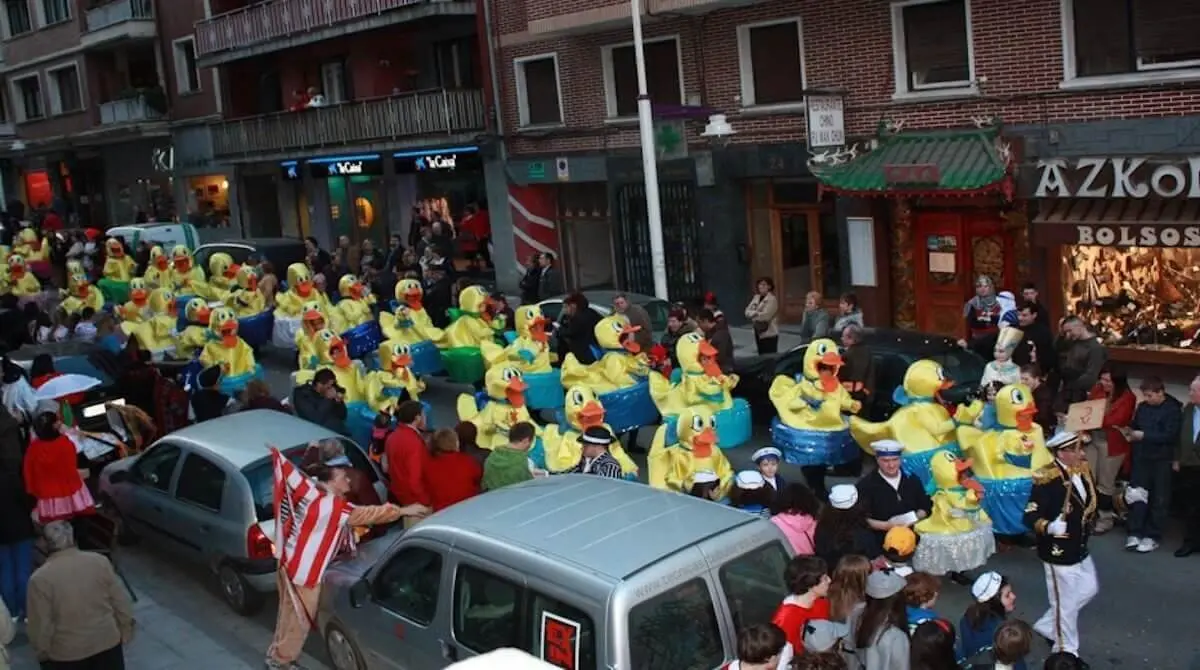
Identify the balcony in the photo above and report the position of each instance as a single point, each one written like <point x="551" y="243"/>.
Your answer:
<point x="119" y="20"/>
<point x="421" y="116"/>
<point x="274" y="25"/>
<point x="129" y="110"/>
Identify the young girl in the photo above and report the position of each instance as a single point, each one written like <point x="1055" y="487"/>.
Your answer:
<point x="848" y="587"/>
<point x="1109" y="449"/>
<point x="751" y="494"/>
<point x="932" y="646"/>
<point x="794" y="512"/>
<point x="994" y="600"/>
<point x="1002" y="368"/>
<point x="807" y="579"/>
<point x="879" y="634"/>
<point x="921" y="592"/>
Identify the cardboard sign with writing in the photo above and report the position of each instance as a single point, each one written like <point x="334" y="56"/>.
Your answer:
<point x="1087" y="415"/>
<point x="560" y="641"/>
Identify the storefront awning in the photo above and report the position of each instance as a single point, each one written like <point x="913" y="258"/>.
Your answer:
<point x="921" y="163"/>
<point x="1126" y="222"/>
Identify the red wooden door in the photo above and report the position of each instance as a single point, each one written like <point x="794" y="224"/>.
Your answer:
<point x="942" y="277"/>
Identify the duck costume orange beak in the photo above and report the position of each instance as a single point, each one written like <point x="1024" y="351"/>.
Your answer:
<point x="401" y="362"/>
<point x="627" y="340"/>
<point x="514" y="392"/>
<point x="708" y="359"/>
<point x="183" y="263"/>
<point x="413" y="298"/>
<point x="202" y="315"/>
<point x="304" y="288"/>
<point x="338" y="353"/>
<point x="703" y="443"/>
<point x="138" y="296"/>
<point x="591" y="414"/>
<point x="1025" y="417"/>
<point x="229" y="333"/>
<point x="162" y="262"/>
<point x="537" y="329"/>
<point x="231" y="272"/>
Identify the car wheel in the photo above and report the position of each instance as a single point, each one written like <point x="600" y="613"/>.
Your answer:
<point x="343" y="653"/>
<point x="237" y="592"/>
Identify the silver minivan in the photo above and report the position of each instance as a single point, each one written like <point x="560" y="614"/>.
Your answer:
<point x="584" y="572"/>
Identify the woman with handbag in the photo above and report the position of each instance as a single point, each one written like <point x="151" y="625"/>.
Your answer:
<point x="763" y="312"/>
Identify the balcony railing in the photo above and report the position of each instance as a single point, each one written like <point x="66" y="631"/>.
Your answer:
<point x="274" y="19"/>
<point x="118" y="12"/>
<point x="130" y="110"/>
<point x="426" y="113"/>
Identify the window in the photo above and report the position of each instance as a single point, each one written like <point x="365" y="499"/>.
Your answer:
<point x="65" y="96"/>
<point x="664" y="75"/>
<point x="539" y="92"/>
<point x="457" y="63"/>
<point x="408" y="584"/>
<point x="1115" y="37"/>
<point x="18" y="17"/>
<point x="55" y="11"/>
<point x="155" y="467"/>
<point x="560" y="632"/>
<point x="187" y="75"/>
<point x="334" y="82"/>
<point x="753" y="584"/>
<point x="28" y="95"/>
<point x="770" y="76"/>
<point x="677" y="629"/>
<point x="486" y="612"/>
<point x="260" y="475"/>
<point x="201" y="482"/>
<point x="932" y="42"/>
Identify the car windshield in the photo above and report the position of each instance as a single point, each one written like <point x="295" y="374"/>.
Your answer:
<point x="261" y="476"/>
<point x="961" y="365"/>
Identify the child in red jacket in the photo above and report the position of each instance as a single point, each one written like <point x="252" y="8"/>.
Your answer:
<point x="452" y="476"/>
<point x="807" y="579"/>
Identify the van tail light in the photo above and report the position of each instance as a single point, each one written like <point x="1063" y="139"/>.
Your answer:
<point x="258" y="545"/>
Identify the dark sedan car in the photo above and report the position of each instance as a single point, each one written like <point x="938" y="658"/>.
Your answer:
<point x="892" y="350"/>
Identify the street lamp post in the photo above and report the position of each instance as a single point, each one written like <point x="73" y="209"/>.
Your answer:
<point x="658" y="260"/>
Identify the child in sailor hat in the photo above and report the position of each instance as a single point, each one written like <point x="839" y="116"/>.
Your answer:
<point x="751" y="493"/>
<point x="767" y="460"/>
<point x="706" y="484"/>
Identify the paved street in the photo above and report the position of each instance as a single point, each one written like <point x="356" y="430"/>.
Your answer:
<point x="1141" y="619"/>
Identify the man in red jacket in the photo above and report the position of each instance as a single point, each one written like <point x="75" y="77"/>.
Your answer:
<point x="407" y="458"/>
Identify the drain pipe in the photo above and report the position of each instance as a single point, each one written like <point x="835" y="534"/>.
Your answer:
<point x="490" y="28"/>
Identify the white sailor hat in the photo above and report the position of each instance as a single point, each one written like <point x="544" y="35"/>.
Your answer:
<point x="767" y="452"/>
<point x="843" y="496"/>
<point x="750" y="480"/>
<point x="887" y="448"/>
<point x="1062" y="441"/>
<point x="705" y="477"/>
<point x="986" y="586"/>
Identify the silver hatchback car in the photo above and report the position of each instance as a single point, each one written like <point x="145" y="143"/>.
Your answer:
<point x="206" y="493"/>
<point x="584" y="572"/>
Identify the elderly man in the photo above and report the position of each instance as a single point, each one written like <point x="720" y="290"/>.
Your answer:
<point x="891" y="497"/>
<point x="638" y="316"/>
<point x="79" y="613"/>
<point x="596" y="460"/>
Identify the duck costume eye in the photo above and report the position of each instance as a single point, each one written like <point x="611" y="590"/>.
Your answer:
<point x="530" y="313"/>
<point x="941" y="373"/>
<point x="822" y="348"/>
<point x="697" y="423"/>
<point x="617" y="326"/>
<point x="1017" y="396"/>
<point x="510" y="374"/>
<point x="327" y="336"/>
<point x="400" y="350"/>
<point x="577" y="397"/>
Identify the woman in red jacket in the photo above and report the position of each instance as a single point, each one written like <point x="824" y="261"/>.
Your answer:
<point x="51" y="471"/>
<point x="1108" y="451"/>
<point x="451" y="476"/>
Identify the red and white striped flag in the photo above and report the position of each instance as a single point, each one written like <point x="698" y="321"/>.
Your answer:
<point x="311" y="524"/>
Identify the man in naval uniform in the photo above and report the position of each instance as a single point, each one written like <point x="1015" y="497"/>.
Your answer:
<point x="892" y="498"/>
<point x="1061" y="511"/>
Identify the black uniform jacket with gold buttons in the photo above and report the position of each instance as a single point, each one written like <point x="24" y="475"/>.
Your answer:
<point x="1053" y="497"/>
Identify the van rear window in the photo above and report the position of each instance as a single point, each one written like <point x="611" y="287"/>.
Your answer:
<point x="676" y="630"/>
<point x="753" y="584"/>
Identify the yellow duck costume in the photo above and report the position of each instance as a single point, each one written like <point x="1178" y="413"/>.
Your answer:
<point x="623" y="364"/>
<point x="333" y="354"/>
<point x="410" y="323"/>
<point x="196" y="334"/>
<point x="245" y="299"/>
<point x="701" y="381"/>
<point x="227" y="349"/>
<point x="28" y="244"/>
<point x="74" y="267"/>
<point x="923" y="423"/>
<point x="505" y="406"/>
<point x="957" y="535"/>
<point x="1006" y="455"/>
<point x="157" y="332"/>
<point x="158" y="272"/>
<point x="189" y="279"/>
<point x="300" y="289"/>
<point x="354" y="309"/>
<point x="818" y="399"/>
<point x="530" y="351"/>
<point x="118" y="266"/>
<point x="475" y="322"/>
<point x="581" y="410"/>
<point x="384" y="386"/>
<point x="222" y="276"/>
<point x="80" y="294"/>
<point x="312" y="321"/>
<point x="137" y="309"/>
<point x="673" y="467"/>
<point x="21" y="281"/>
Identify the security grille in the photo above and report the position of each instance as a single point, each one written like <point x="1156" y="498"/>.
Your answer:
<point x="681" y="240"/>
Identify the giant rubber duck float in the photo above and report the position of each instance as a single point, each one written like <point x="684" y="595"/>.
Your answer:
<point x="619" y="375"/>
<point x="474" y="322"/>
<point x="383" y="389"/>
<point x="811" y="428"/>
<point x="21" y="281"/>
<point x="1005" y="457"/>
<point x="80" y="294"/>
<point x="195" y="333"/>
<point x="250" y="305"/>
<point x="158" y="272"/>
<point x="222" y="277"/>
<point x="957" y="534"/>
<point x="498" y="408"/>
<point x="33" y="248"/>
<point x="529" y="352"/>
<point x="356" y="315"/>
<point x="410" y="324"/>
<point x="117" y="273"/>
<point x="228" y="350"/>
<point x="701" y="382"/>
<point x="673" y="465"/>
<point x="156" y="333"/>
<point x="137" y="309"/>
<point x="581" y="410"/>
<point x="924" y="423"/>
<point x="290" y="305"/>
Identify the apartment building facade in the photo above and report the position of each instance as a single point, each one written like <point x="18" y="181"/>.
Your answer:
<point x="956" y="139"/>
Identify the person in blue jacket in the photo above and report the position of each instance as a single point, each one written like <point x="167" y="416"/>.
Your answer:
<point x="994" y="601"/>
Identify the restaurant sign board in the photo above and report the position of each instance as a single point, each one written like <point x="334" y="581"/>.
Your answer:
<point x="1119" y="235"/>
<point x="1123" y="177"/>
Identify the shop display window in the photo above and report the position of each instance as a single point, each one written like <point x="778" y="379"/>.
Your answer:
<point x="1136" y="297"/>
<point x="208" y="201"/>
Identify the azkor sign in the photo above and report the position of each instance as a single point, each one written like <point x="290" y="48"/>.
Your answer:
<point x="1118" y="178"/>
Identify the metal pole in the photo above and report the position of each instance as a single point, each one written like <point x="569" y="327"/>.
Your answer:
<point x="658" y="258"/>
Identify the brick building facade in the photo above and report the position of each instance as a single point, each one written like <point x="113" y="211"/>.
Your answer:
<point x="1030" y="69"/>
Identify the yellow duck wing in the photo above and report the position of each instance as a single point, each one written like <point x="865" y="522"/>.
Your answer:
<point x="493" y="354"/>
<point x="467" y="409"/>
<point x="658" y="460"/>
<point x="969" y="438"/>
<point x="573" y="372"/>
<point x="866" y="433"/>
<point x="387" y="324"/>
<point x="662" y="390"/>
<point x="969" y="413"/>
<point x="424" y="325"/>
<point x="562" y="452"/>
<point x="782" y="393"/>
<point x="724" y="472"/>
<point x="931" y="422"/>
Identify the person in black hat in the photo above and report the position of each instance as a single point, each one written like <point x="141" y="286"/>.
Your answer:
<point x="208" y="402"/>
<point x="596" y="460"/>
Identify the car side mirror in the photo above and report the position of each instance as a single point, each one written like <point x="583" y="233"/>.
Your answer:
<point x="359" y="593"/>
<point x="120" y="477"/>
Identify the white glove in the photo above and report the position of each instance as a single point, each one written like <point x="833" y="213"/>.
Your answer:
<point x="1057" y="527"/>
<point x="1136" y="494"/>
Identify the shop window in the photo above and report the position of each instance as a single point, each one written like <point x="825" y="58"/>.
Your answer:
<point x="1112" y="37"/>
<point x="208" y="201"/>
<point x="334" y="82"/>
<point x="1135" y="296"/>
<point x="65" y="96"/>
<point x="676" y="629"/>
<point x="664" y="75"/>
<point x="55" y="11"/>
<point x="932" y="42"/>
<point x="18" y="17"/>
<point x="187" y="75"/>
<point x="771" y="61"/>
<point x="539" y="90"/>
